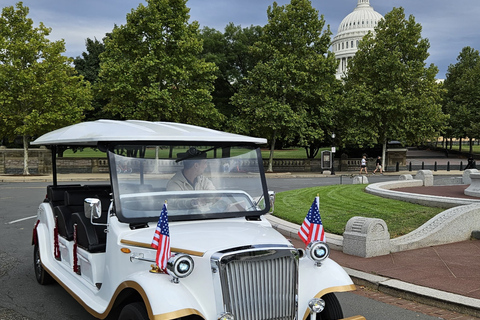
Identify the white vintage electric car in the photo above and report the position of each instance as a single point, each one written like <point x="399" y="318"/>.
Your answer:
<point x="227" y="261"/>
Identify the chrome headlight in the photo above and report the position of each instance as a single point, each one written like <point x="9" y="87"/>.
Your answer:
<point x="316" y="305"/>
<point x="318" y="251"/>
<point x="226" y="316"/>
<point x="180" y="265"/>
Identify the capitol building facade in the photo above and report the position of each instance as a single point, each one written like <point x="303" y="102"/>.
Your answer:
<point x="351" y="30"/>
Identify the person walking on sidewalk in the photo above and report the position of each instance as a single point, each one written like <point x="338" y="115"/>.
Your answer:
<point x="363" y="165"/>
<point x="378" y="165"/>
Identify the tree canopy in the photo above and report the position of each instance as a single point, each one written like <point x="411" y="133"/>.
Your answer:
<point x="390" y="93"/>
<point x="88" y="65"/>
<point x="462" y="97"/>
<point x="288" y="93"/>
<point x="39" y="89"/>
<point x="151" y="70"/>
<point x="230" y="51"/>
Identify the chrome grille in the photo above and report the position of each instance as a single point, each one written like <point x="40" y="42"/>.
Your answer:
<point x="259" y="284"/>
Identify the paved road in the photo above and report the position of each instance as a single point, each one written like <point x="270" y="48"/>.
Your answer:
<point x="284" y="184"/>
<point x="22" y="298"/>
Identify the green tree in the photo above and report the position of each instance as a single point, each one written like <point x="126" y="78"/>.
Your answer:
<point x="288" y="92"/>
<point x="462" y="96"/>
<point x="390" y="94"/>
<point x="230" y="51"/>
<point x="88" y="65"/>
<point x="39" y="89"/>
<point x="150" y="69"/>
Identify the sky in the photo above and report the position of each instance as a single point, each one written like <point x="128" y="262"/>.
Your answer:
<point x="449" y="25"/>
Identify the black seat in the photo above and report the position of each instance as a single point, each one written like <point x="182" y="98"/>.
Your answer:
<point x="74" y="199"/>
<point x="89" y="237"/>
<point x="64" y="221"/>
<point x="56" y="194"/>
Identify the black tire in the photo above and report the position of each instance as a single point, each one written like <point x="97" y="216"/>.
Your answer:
<point x="134" y="311"/>
<point x="42" y="276"/>
<point x="333" y="309"/>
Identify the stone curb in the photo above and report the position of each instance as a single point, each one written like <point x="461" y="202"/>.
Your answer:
<point x="383" y="189"/>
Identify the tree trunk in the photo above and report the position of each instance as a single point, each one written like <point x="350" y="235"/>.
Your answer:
<point x="272" y="148"/>
<point x="471" y="146"/>
<point x="460" y="145"/>
<point x="384" y="152"/>
<point x="311" y="152"/>
<point x="25" y="156"/>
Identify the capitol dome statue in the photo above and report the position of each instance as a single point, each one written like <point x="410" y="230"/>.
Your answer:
<point x="351" y="30"/>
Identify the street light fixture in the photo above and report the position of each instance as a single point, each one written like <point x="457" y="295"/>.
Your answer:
<point x="333" y="153"/>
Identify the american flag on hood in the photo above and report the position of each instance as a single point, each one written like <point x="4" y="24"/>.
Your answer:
<point x="312" y="227"/>
<point x="161" y="240"/>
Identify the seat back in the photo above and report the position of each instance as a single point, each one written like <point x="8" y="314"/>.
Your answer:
<point x="75" y="200"/>
<point x="89" y="237"/>
<point x="56" y="194"/>
<point x="64" y="221"/>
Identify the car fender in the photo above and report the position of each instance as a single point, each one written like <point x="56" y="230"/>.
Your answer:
<point x="316" y="281"/>
<point x="43" y="231"/>
<point x="163" y="298"/>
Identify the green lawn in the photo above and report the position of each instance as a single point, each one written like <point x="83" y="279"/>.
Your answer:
<point x="466" y="148"/>
<point x="85" y="153"/>
<point x="298" y="153"/>
<point x="339" y="203"/>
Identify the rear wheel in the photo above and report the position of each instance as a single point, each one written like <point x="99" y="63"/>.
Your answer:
<point x="134" y="311"/>
<point x="333" y="309"/>
<point x="42" y="276"/>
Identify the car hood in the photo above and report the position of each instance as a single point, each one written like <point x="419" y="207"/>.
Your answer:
<point x="199" y="237"/>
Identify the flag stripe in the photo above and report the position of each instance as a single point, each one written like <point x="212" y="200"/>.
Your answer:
<point x="161" y="240"/>
<point x="312" y="227"/>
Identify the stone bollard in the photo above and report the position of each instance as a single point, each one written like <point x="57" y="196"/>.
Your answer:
<point x="366" y="237"/>
<point x="360" y="180"/>
<point x="405" y="177"/>
<point x="426" y="176"/>
<point x="473" y="189"/>
<point x="466" y="175"/>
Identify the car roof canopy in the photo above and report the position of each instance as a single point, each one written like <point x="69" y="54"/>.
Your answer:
<point x="92" y="132"/>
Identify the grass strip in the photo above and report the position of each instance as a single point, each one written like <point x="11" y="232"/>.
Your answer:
<point x="339" y="203"/>
<point x="298" y="153"/>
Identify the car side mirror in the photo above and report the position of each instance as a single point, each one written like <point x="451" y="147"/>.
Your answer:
<point x="92" y="208"/>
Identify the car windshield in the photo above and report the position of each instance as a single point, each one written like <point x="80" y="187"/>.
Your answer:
<point x="196" y="182"/>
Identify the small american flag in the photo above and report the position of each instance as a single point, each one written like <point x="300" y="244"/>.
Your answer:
<point x="161" y="240"/>
<point x="312" y="227"/>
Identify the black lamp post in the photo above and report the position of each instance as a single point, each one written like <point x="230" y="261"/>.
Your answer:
<point x="333" y="153"/>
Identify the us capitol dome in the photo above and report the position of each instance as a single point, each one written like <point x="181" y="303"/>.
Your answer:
<point x="351" y="30"/>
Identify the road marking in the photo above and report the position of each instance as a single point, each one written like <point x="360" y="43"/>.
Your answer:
<point x="23" y="219"/>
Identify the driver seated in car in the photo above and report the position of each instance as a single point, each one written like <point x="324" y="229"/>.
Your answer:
<point x="191" y="177"/>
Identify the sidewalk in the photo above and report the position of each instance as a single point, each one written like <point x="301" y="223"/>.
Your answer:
<point x="444" y="276"/>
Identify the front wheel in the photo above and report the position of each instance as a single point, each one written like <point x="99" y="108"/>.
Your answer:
<point x="134" y="311"/>
<point x="333" y="310"/>
<point x="42" y="276"/>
